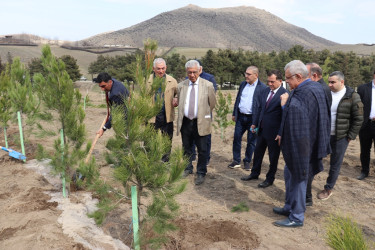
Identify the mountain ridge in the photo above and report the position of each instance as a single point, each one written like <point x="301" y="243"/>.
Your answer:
<point x="243" y="27"/>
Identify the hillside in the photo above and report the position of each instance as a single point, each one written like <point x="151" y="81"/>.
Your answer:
<point x="195" y="27"/>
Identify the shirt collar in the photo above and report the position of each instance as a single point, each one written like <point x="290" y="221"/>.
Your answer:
<point x="196" y="82"/>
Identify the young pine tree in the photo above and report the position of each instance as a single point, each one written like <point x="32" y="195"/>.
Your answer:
<point x="57" y="92"/>
<point x="137" y="150"/>
<point x="222" y="111"/>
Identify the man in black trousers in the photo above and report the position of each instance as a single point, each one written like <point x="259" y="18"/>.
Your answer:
<point x="267" y="120"/>
<point x="367" y="132"/>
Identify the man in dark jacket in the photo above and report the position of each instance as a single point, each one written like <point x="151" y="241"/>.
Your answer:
<point x="267" y="120"/>
<point x="303" y="135"/>
<point x="115" y="93"/>
<point x="346" y="120"/>
<point x="367" y="132"/>
<point x="316" y="74"/>
<point x="247" y="102"/>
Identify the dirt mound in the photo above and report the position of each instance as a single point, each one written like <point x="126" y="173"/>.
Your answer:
<point x="213" y="234"/>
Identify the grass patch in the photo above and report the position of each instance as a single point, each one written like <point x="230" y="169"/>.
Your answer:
<point x="344" y="234"/>
<point x="242" y="207"/>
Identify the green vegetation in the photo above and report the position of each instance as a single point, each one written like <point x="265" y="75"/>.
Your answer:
<point x="55" y="89"/>
<point x="137" y="149"/>
<point x="344" y="234"/>
<point x="228" y="65"/>
<point x="71" y="67"/>
<point x="242" y="207"/>
<point x="223" y="108"/>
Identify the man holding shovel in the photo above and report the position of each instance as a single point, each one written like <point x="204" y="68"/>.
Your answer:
<point x="115" y="93"/>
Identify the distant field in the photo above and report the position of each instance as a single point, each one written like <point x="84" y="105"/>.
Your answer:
<point x="26" y="53"/>
<point x="359" y="49"/>
<point x="190" y="52"/>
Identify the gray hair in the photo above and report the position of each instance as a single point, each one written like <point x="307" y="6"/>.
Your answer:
<point x="340" y="76"/>
<point x="297" y="67"/>
<point x="192" y="63"/>
<point x="158" y="61"/>
<point x="315" y="68"/>
<point x="253" y="69"/>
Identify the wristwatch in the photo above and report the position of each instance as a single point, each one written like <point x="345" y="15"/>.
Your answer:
<point x="104" y="128"/>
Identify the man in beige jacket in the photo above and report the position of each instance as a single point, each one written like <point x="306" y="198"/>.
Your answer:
<point x="163" y="121"/>
<point x="196" y="100"/>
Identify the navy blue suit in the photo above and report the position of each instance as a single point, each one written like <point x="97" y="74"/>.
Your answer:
<point x="243" y="123"/>
<point x="267" y="120"/>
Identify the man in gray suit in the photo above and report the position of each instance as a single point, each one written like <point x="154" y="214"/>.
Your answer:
<point x="196" y="100"/>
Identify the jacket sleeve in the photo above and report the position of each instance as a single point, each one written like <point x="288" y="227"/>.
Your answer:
<point x="356" y="116"/>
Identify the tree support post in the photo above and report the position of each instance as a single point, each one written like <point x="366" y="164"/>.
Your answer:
<point x="21" y="134"/>
<point x="135" y="217"/>
<point x="62" y="159"/>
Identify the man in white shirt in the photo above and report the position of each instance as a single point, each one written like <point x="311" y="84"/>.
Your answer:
<point x="196" y="100"/>
<point x="367" y="133"/>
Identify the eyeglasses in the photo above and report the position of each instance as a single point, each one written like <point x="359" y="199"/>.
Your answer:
<point x="247" y="74"/>
<point x="289" y="77"/>
<point x="192" y="72"/>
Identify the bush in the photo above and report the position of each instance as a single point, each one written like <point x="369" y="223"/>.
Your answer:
<point x="343" y="233"/>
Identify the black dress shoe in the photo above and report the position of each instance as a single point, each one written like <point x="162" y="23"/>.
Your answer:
<point x="280" y="211"/>
<point x="288" y="223"/>
<point x="309" y="202"/>
<point x="249" y="177"/>
<point x="362" y="176"/>
<point x="265" y="184"/>
<point x="199" y="180"/>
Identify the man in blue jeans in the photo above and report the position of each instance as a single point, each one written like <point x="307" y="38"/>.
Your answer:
<point x="247" y="102"/>
<point x="346" y="121"/>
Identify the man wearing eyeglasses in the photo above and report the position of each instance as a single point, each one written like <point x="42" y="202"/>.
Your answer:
<point x="196" y="100"/>
<point x="267" y="120"/>
<point x="115" y="93"/>
<point x="247" y="102"/>
<point x="304" y="138"/>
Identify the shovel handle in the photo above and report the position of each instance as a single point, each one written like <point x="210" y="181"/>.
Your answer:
<point x="94" y="142"/>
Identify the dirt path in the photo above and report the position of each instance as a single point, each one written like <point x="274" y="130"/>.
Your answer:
<point x="29" y="219"/>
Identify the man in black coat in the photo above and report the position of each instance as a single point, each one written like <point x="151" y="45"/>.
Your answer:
<point x="367" y="132"/>
<point x="304" y="138"/>
<point x="316" y="74"/>
<point x="267" y="121"/>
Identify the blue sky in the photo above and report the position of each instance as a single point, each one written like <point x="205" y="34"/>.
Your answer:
<point x="341" y="21"/>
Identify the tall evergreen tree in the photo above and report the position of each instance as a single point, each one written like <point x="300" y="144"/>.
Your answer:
<point x="137" y="149"/>
<point x="56" y="91"/>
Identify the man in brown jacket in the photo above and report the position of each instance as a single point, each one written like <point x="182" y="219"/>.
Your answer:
<point x="163" y="121"/>
<point x="196" y="100"/>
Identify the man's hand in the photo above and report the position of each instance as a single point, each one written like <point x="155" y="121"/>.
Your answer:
<point x="233" y="118"/>
<point x="278" y="139"/>
<point x="175" y="102"/>
<point x="252" y="129"/>
<point x="284" y="99"/>
<point x="100" y="132"/>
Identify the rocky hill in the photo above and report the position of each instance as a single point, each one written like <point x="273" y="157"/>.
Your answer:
<point x="236" y="27"/>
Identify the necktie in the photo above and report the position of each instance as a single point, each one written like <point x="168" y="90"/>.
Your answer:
<point x="191" y="103"/>
<point x="269" y="99"/>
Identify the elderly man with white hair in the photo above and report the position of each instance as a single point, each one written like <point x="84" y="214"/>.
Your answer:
<point x="196" y="100"/>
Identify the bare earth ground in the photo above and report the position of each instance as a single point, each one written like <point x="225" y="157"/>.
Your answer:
<point x="35" y="216"/>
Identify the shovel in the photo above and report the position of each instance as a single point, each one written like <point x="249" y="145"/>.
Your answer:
<point x="14" y="154"/>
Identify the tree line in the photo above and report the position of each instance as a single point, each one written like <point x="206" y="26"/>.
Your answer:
<point x="228" y="65"/>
